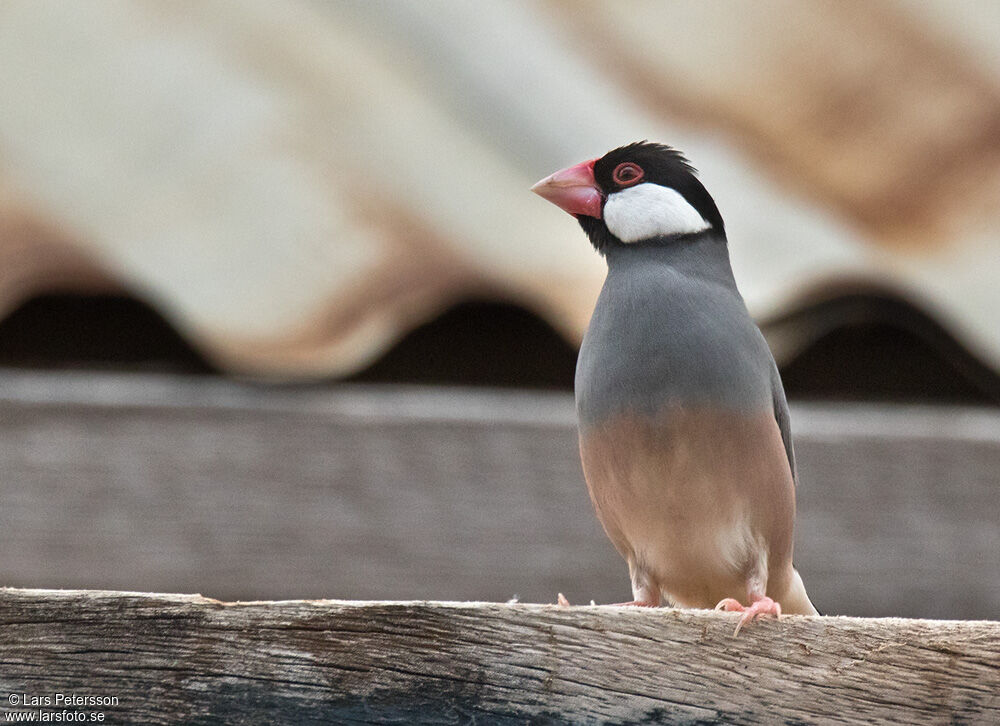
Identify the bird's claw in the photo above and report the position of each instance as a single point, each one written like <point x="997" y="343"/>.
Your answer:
<point x="760" y="607"/>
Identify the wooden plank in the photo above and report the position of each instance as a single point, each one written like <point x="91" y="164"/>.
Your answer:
<point x="188" y="659"/>
<point x="257" y="492"/>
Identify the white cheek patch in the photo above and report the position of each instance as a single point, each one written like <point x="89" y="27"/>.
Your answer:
<point x="650" y="210"/>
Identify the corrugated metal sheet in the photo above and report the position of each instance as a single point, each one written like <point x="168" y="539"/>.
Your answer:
<point x="296" y="185"/>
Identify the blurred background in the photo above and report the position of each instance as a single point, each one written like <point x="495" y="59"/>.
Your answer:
<point x="279" y="317"/>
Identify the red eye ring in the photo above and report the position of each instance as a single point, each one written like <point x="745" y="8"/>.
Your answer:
<point x="627" y="173"/>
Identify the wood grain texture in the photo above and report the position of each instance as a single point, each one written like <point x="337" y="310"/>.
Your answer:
<point x="254" y="492"/>
<point x="188" y="659"/>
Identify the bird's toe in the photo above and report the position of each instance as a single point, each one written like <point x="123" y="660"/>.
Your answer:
<point x="764" y="606"/>
<point x="730" y="605"/>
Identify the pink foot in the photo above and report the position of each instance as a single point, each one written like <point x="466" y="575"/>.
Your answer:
<point x="761" y="606"/>
<point x="730" y="605"/>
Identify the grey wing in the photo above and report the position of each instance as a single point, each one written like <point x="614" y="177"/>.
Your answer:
<point x="781" y="416"/>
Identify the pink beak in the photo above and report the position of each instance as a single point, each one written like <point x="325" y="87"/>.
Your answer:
<point x="573" y="190"/>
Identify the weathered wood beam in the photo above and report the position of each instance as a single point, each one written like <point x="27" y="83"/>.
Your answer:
<point x="190" y="659"/>
<point x="170" y="484"/>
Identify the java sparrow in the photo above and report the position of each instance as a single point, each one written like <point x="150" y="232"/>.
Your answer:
<point x="684" y="428"/>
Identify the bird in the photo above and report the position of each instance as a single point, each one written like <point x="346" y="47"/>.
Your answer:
<point x="684" y="429"/>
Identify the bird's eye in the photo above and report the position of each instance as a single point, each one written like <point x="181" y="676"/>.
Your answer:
<point x="627" y="173"/>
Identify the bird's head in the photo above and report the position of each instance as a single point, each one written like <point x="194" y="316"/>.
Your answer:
<point x="643" y="191"/>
